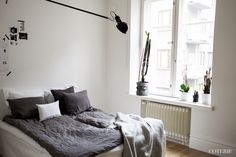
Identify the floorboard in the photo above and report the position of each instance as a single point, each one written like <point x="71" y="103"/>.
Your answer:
<point x="178" y="150"/>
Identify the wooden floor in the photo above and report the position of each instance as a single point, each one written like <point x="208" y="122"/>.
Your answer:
<point x="177" y="150"/>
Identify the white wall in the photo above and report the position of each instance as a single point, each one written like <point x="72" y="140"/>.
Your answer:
<point x="118" y="99"/>
<point x="210" y="129"/>
<point x="65" y="47"/>
<point x="219" y="126"/>
<point x="62" y="51"/>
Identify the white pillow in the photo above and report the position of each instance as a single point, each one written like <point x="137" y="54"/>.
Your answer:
<point x="47" y="111"/>
<point x="16" y="94"/>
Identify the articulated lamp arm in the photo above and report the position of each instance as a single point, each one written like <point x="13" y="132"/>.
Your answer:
<point x="121" y="26"/>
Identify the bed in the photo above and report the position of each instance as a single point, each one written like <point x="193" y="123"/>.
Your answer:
<point x="15" y="143"/>
<point x="82" y="131"/>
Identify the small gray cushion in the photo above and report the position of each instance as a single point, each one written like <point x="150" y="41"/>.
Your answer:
<point x="76" y="102"/>
<point x="58" y="95"/>
<point x="25" y="108"/>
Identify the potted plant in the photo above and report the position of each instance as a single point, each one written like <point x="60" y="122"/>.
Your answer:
<point x="206" y="97"/>
<point x="184" y="88"/>
<point x="142" y="85"/>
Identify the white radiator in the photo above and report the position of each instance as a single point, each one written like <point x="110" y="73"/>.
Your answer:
<point x="176" y="119"/>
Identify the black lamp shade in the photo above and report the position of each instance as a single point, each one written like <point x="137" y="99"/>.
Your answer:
<point x="121" y="26"/>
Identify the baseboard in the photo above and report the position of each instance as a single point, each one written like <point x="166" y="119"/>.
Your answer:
<point x="212" y="147"/>
<point x="177" y="141"/>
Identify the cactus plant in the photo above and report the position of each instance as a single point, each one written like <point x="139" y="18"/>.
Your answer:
<point x="195" y="96"/>
<point x="207" y="82"/>
<point x="145" y="60"/>
<point x="142" y="85"/>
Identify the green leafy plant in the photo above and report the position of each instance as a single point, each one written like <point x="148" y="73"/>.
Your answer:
<point x="184" y="88"/>
<point x="145" y="58"/>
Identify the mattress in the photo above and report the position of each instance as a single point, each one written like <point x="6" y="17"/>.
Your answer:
<point x="14" y="143"/>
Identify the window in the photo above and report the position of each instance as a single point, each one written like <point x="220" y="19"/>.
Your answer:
<point x="182" y="34"/>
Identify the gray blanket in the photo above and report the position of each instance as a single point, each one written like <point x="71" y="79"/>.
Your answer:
<point x="142" y="137"/>
<point x="65" y="137"/>
<point x="97" y="118"/>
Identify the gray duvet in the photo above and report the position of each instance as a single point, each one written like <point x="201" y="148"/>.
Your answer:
<point x="143" y="137"/>
<point x="67" y="137"/>
<point x="97" y="118"/>
<point x="90" y="133"/>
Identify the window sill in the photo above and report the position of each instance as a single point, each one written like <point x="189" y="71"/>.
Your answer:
<point x="176" y="102"/>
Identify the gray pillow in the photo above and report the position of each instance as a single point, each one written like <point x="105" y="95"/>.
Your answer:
<point x="25" y="108"/>
<point x="58" y="95"/>
<point x="77" y="102"/>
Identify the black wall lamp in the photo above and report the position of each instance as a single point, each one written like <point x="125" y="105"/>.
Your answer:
<point x="121" y="26"/>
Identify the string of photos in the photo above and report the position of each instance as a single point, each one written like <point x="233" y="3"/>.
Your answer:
<point x="11" y="38"/>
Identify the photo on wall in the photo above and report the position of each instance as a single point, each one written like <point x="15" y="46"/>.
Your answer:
<point x="4" y="59"/>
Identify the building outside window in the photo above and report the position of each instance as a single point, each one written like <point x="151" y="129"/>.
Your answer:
<point x="182" y="34"/>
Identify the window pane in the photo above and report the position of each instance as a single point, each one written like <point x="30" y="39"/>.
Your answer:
<point x="158" y="21"/>
<point x="195" y="48"/>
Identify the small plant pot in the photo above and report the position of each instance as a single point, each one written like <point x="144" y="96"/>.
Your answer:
<point x="142" y="88"/>
<point x="206" y="99"/>
<point x="186" y="96"/>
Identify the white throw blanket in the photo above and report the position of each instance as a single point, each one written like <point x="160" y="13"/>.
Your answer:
<point x="143" y="137"/>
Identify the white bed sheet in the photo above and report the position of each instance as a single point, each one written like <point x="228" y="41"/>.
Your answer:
<point x="14" y="143"/>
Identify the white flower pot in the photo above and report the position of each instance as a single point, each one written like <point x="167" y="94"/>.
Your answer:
<point x="206" y="99"/>
<point x="186" y="96"/>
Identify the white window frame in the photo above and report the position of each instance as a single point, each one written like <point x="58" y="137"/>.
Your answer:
<point x="176" y="21"/>
<point x="174" y="43"/>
